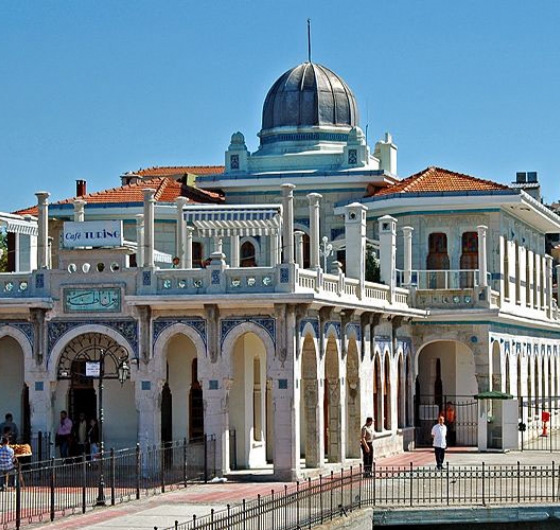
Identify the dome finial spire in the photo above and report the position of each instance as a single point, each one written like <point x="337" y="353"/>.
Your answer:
<point x="309" y="40"/>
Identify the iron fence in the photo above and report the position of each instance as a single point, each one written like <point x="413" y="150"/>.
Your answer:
<point x="40" y="491"/>
<point x="320" y="500"/>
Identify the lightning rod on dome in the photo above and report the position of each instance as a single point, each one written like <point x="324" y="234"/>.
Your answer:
<point x="309" y="40"/>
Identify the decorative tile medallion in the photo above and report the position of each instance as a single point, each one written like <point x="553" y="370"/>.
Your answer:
<point x="215" y="277"/>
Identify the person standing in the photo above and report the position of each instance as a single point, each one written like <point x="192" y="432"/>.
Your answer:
<point x="7" y="461"/>
<point x="9" y="429"/>
<point x="439" y="435"/>
<point x="366" y="441"/>
<point x="80" y="434"/>
<point x="63" y="434"/>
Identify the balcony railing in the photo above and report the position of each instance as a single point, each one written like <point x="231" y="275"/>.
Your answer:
<point x="448" y="279"/>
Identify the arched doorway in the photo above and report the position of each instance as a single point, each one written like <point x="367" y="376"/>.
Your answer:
<point x="181" y="406"/>
<point x="247" y="402"/>
<point x="14" y="394"/>
<point x="446" y="373"/>
<point x="78" y="392"/>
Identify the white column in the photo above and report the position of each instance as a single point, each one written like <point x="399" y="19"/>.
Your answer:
<point x="43" y="229"/>
<point x="79" y="211"/>
<point x="235" y="251"/>
<point x="388" y="249"/>
<point x="549" y="286"/>
<point x="181" y="251"/>
<point x="407" y="233"/>
<point x="355" y="228"/>
<point x="482" y="256"/>
<point x="149" y="206"/>
<point x="140" y="240"/>
<point x="558" y="285"/>
<point x="544" y="297"/>
<point x="218" y="244"/>
<point x="531" y="286"/>
<point x="314" y="229"/>
<point x="288" y="222"/>
<point x="298" y="238"/>
<point x="274" y="242"/>
<point x="537" y="281"/>
<point x="188" y="250"/>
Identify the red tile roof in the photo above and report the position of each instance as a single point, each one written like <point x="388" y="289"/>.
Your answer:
<point x="167" y="190"/>
<point x="171" y="171"/>
<point x="436" y="179"/>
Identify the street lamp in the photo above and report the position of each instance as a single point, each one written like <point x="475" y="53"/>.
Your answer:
<point x="123" y="372"/>
<point x="326" y="251"/>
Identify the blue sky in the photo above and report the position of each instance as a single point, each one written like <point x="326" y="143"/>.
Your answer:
<point x="91" y="89"/>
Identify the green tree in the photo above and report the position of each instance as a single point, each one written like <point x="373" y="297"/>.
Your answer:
<point x="372" y="265"/>
<point x="3" y="251"/>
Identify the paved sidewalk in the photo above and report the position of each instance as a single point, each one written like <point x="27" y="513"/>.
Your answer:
<point x="199" y="499"/>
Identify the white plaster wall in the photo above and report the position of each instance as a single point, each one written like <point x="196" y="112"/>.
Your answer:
<point x="11" y="368"/>
<point x="180" y="354"/>
<point x="250" y="453"/>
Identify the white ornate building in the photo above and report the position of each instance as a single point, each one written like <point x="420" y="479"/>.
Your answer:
<point x="265" y="332"/>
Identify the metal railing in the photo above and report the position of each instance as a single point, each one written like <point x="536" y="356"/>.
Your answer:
<point x="320" y="500"/>
<point x="39" y="491"/>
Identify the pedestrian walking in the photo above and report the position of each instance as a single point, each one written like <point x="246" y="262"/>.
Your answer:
<point x="366" y="441"/>
<point x="439" y="435"/>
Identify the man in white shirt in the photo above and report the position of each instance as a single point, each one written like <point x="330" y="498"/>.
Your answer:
<point x="439" y="434"/>
<point x="366" y="440"/>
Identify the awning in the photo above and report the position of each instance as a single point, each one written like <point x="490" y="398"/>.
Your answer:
<point x="242" y="220"/>
<point x="493" y="394"/>
<point x="19" y="225"/>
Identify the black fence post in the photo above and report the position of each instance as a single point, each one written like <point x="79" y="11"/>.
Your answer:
<point x="113" y="475"/>
<point x="52" y="489"/>
<point x="483" y="486"/>
<point x="411" y="483"/>
<point x="84" y="482"/>
<point x="162" y="450"/>
<point x="321" y="498"/>
<point x="332" y="493"/>
<point x="138" y="470"/>
<point x="205" y="441"/>
<point x="185" y="470"/>
<point x="17" y="478"/>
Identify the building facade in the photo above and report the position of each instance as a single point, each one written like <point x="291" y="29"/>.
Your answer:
<point x="246" y="308"/>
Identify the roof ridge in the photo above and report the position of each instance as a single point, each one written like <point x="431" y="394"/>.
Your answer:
<point x="486" y="181"/>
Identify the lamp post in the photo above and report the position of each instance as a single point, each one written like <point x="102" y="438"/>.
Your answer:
<point x="101" y="486"/>
<point x="326" y="251"/>
<point x="122" y="370"/>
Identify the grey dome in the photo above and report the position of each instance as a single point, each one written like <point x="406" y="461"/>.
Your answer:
<point x="309" y="95"/>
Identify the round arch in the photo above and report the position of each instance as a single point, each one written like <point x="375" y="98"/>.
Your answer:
<point x="58" y="348"/>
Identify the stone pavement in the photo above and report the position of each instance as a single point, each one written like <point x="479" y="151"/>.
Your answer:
<point x="199" y="499"/>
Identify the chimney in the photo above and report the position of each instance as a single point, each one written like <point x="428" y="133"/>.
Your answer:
<point x="81" y="188"/>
